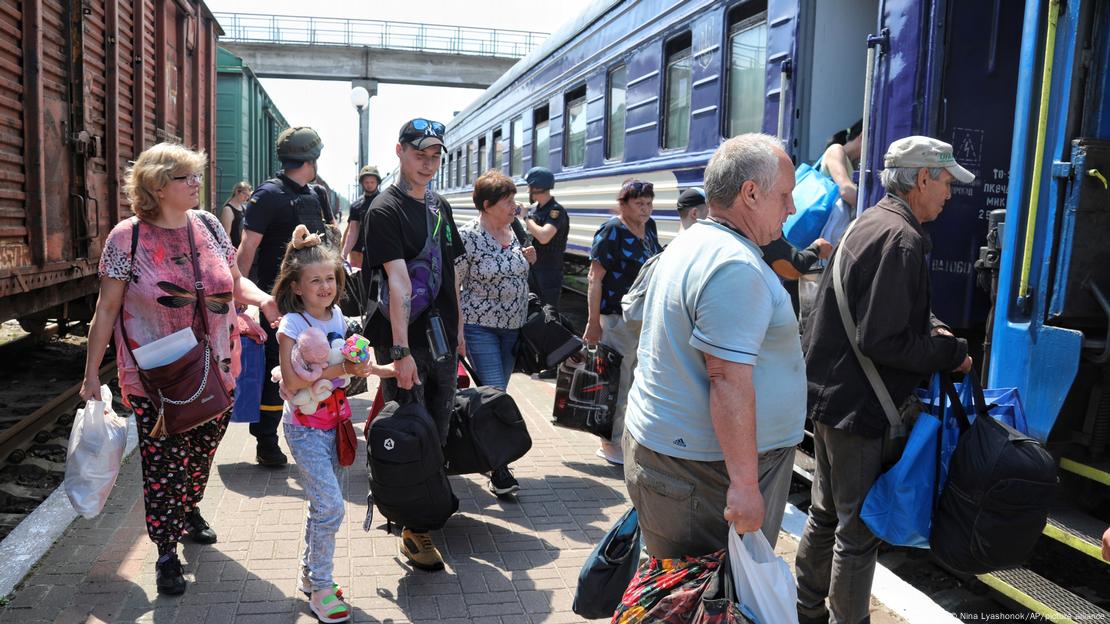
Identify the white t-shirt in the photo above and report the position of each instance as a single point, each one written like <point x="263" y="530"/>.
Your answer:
<point x="712" y="293"/>
<point x="294" y="323"/>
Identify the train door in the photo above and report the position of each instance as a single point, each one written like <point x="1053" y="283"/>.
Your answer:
<point x="816" y="53"/>
<point x="949" y="70"/>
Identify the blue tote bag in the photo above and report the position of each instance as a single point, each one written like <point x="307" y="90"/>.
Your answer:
<point x="899" y="506"/>
<point x="248" y="385"/>
<point x="609" y="569"/>
<point x="814" y="195"/>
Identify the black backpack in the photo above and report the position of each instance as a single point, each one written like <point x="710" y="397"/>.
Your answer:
<point x="995" y="502"/>
<point x="407" y="481"/>
<point x="487" y="430"/>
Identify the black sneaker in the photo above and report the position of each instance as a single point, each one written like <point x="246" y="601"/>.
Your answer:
<point x="197" y="528"/>
<point x="502" y="482"/>
<point x="270" y="457"/>
<point x="550" y="373"/>
<point x="169" y="575"/>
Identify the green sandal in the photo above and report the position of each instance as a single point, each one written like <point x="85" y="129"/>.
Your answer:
<point x="332" y="609"/>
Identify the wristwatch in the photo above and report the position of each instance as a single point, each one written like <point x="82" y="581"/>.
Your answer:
<point x="397" y="352"/>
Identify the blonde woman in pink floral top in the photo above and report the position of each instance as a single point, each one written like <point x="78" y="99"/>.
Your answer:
<point x="163" y="188"/>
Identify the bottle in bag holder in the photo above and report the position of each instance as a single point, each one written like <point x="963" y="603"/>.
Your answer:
<point x="437" y="338"/>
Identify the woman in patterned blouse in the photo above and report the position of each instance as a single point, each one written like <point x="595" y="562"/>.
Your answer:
<point x="493" y="291"/>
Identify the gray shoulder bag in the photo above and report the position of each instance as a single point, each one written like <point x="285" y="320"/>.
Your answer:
<point x="901" y="419"/>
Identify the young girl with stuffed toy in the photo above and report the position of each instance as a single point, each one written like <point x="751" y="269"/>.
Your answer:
<point x="307" y="291"/>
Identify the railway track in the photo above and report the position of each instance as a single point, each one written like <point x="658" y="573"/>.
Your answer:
<point x="33" y="454"/>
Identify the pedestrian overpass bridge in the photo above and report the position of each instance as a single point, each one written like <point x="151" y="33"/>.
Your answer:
<point x="368" y="52"/>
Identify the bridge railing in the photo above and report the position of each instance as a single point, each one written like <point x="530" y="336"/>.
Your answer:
<point x="305" y="30"/>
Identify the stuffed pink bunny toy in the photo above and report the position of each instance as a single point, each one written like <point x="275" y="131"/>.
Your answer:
<point x="310" y="354"/>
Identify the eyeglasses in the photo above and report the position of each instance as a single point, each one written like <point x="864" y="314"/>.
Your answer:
<point x="637" y="188"/>
<point x="192" y="179"/>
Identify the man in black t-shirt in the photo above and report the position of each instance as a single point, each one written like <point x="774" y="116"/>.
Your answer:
<point x="275" y="209"/>
<point x="396" y="230"/>
<point x="549" y="226"/>
<point x="354" y="237"/>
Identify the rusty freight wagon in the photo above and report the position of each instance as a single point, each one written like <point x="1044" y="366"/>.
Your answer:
<point x="84" y="88"/>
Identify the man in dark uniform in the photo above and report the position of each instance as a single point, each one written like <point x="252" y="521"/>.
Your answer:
<point x="277" y="206"/>
<point x="354" y="237"/>
<point x="549" y="225"/>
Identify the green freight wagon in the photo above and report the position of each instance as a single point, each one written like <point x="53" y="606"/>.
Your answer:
<point x="247" y="125"/>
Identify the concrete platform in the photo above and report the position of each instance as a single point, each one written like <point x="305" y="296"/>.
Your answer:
<point x="507" y="562"/>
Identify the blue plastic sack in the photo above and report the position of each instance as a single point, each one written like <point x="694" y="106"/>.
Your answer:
<point x="899" y="506"/>
<point x="248" y="385"/>
<point x="814" y="195"/>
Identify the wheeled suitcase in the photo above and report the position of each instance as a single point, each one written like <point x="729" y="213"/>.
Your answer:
<point x="586" y="390"/>
<point x="996" y="500"/>
<point x="487" y="430"/>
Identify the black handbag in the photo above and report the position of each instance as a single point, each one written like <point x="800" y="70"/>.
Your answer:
<point x="187" y="392"/>
<point x="609" y="569"/>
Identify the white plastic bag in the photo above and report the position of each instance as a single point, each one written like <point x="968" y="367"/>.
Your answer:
<point x="763" y="580"/>
<point x="96" y="445"/>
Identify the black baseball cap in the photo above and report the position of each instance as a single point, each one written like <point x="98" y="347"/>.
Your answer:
<point x="422" y="133"/>
<point x="691" y="198"/>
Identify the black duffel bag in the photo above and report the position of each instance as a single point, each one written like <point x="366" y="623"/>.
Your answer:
<point x="487" y="430"/>
<point x="546" y="339"/>
<point x="995" y="502"/>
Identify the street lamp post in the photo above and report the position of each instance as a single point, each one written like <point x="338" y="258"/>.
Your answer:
<point x="360" y="98"/>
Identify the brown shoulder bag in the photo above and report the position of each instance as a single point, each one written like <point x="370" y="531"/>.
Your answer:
<point x="187" y="392"/>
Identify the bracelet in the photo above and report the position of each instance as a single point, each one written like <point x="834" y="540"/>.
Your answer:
<point x="345" y="371"/>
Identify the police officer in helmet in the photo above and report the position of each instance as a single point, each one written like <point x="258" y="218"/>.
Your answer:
<point x="276" y="208"/>
<point x="549" y="225"/>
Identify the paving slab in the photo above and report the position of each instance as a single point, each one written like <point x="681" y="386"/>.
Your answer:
<point x="506" y="561"/>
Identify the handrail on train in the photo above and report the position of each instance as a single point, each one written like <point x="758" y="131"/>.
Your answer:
<point x="337" y="31"/>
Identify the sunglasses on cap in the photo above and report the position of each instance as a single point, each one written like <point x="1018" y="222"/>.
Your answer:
<point x="419" y="127"/>
<point x="636" y="188"/>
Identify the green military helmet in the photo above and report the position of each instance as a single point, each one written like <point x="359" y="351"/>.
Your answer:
<point x="300" y="143"/>
<point x="369" y="170"/>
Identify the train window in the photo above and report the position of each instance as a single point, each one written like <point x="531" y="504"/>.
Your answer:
<point x="452" y="163"/>
<point x="747" y="61"/>
<point x="679" y="87"/>
<point x="614" y="124"/>
<point x="459" y="166"/>
<point x="469" y="176"/>
<point x="516" y="147"/>
<point x="574" y="135"/>
<point x="541" y="134"/>
<point x="498" y="145"/>
<point x="483" y="158"/>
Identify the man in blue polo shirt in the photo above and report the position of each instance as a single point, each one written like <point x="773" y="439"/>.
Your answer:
<point x="719" y="396"/>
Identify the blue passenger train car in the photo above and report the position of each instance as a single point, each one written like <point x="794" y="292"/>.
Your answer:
<point x="650" y="88"/>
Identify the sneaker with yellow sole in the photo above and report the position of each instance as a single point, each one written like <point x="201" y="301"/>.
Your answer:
<point x="420" y="551"/>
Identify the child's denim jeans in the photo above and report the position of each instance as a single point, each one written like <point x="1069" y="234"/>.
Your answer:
<point x="315" y="454"/>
